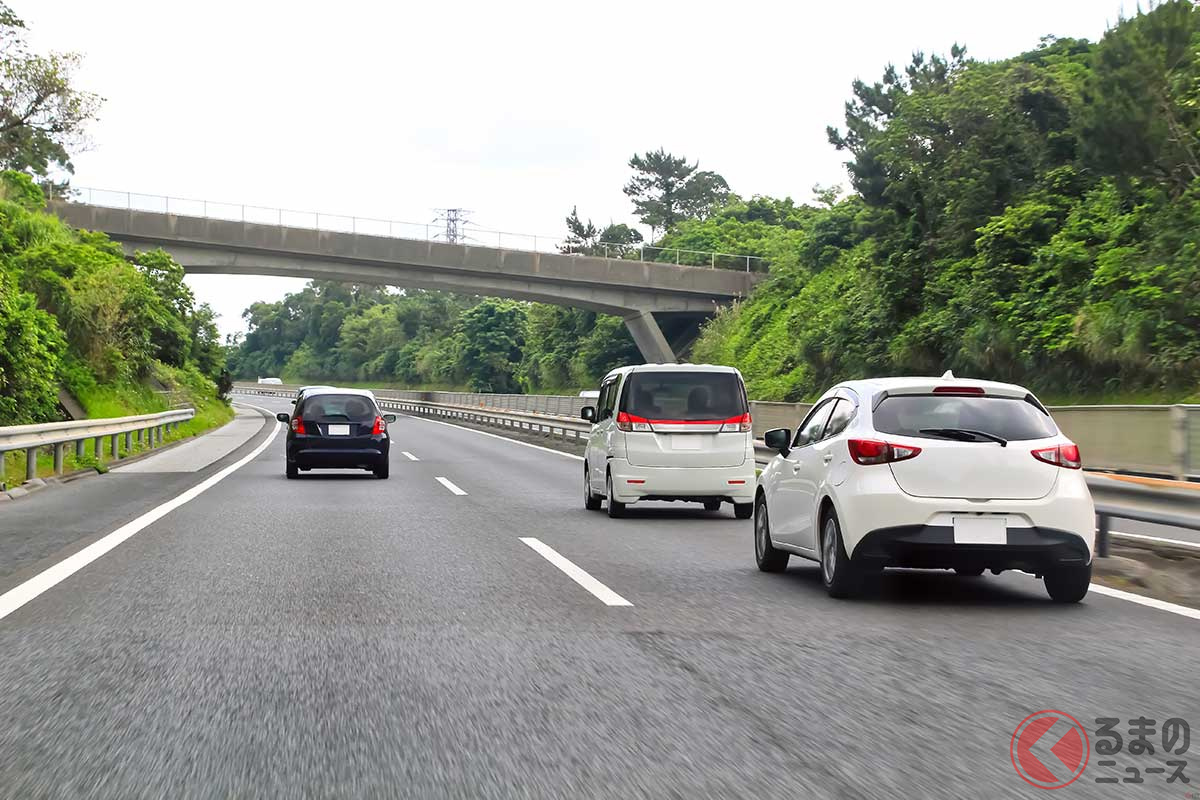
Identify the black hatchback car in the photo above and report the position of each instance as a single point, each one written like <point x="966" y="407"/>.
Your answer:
<point x="337" y="429"/>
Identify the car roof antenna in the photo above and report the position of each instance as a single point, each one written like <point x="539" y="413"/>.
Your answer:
<point x="948" y="375"/>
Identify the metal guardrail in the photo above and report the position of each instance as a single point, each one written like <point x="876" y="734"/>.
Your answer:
<point x="1106" y="513"/>
<point x="423" y="231"/>
<point x="146" y="427"/>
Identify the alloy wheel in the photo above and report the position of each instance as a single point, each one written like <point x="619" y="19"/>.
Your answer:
<point x="829" y="550"/>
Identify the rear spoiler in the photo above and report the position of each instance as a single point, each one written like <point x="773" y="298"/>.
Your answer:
<point x="1028" y="398"/>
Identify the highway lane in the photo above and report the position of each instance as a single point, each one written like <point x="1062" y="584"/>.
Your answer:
<point x="343" y="636"/>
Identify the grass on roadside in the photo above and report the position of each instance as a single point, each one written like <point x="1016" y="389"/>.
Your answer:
<point x="122" y="400"/>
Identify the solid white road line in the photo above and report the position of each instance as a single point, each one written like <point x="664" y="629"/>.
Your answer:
<point x="498" y="436"/>
<point x="453" y="489"/>
<point x="1161" y="605"/>
<point x="605" y="594"/>
<point x="18" y="596"/>
<point x="1179" y="542"/>
<point x="409" y="455"/>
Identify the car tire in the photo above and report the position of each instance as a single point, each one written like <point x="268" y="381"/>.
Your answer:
<point x="615" y="510"/>
<point x="969" y="572"/>
<point x="1068" y="584"/>
<point x="382" y="469"/>
<point x="591" y="501"/>
<point x="712" y="505"/>
<point x="765" y="555"/>
<point x="841" y="576"/>
<point x="743" y="510"/>
<point x="291" y="470"/>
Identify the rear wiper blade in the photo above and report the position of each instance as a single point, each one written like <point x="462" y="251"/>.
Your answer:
<point x="959" y="433"/>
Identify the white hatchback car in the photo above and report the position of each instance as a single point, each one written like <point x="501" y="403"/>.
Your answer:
<point x="929" y="473"/>
<point x="670" y="432"/>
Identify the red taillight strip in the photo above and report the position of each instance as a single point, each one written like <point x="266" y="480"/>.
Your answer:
<point x="732" y="420"/>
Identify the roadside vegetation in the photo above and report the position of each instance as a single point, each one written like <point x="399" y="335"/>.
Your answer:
<point x="1035" y="219"/>
<point x="119" y="335"/>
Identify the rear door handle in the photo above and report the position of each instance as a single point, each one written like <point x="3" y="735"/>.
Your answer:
<point x="828" y="457"/>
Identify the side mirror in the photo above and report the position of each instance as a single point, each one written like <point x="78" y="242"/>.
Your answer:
<point x="389" y="418"/>
<point x="282" y="416"/>
<point x="588" y="413"/>
<point x="778" y="439"/>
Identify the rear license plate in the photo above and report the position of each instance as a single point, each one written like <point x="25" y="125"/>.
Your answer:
<point x="980" y="530"/>
<point x="337" y="430"/>
<point x="683" y="441"/>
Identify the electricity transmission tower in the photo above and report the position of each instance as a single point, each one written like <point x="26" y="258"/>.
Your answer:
<point x="455" y="220"/>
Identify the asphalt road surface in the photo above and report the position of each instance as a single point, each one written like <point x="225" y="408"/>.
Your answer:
<point x="467" y="629"/>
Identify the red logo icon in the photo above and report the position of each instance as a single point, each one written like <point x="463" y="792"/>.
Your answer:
<point x="1049" y="749"/>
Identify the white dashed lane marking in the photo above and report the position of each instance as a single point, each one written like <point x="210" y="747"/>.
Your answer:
<point x="449" y="485"/>
<point x="575" y="573"/>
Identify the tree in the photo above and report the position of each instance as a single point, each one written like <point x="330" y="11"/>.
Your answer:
<point x="615" y="241"/>
<point x="666" y="189"/>
<point x="1142" y="117"/>
<point x="494" y="335"/>
<point x="41" y="115"/>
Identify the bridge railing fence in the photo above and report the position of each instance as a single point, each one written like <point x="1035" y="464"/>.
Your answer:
<point x="420" y="231"/>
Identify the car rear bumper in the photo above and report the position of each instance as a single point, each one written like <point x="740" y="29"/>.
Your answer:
<point x="338" y="458"/>
<point x="933" y="546"/>
<point x="870" y="501"/>
<point x="736" y="484"/>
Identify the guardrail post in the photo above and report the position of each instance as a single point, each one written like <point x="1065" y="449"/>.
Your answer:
<point x="98" y="448"/>
<point x="80" y="444"/>
<point x="113" y="447"/>
<point x="58" y="457"/>
<point x="1179" y="442"/>
<point x="3" y="470"/>
<point x="1102" y="536"/>
<point x="31" y="463"/>
<point x="128" y="442"/>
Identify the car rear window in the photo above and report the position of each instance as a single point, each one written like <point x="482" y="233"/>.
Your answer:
<point x="1008" y="417"/>
<point x="338" y="407"/>
<point x="684" y="395"/>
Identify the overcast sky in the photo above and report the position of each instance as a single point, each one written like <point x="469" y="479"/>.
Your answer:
<point x="516" y="110"/>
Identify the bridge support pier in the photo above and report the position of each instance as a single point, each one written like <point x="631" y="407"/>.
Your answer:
<point x="649" y="338"/>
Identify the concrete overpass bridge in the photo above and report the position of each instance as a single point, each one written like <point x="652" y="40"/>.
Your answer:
<point x="662" y="304"/>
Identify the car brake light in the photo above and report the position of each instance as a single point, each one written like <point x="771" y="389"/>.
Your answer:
<point x="297" y="425"/>
<point x="628" y="422"/>
<point x="380" y="427"/>
<point x="958" y="390"/>
<point x="1061" y="455"/>
<point x="740" y="424"/>
<point x="870" y="451"/>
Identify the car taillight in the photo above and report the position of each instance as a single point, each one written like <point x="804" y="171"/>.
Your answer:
<point x="958" y="390"/>
<point x="297" y="425"/>
<point x="380" y="427"/>
<point x="628" y="422"/>
<point x="1061" y="455"/>
<point x="870" y="451"/>
<point x="736" y="424"/>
